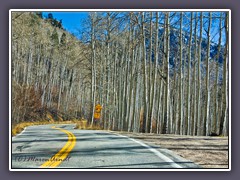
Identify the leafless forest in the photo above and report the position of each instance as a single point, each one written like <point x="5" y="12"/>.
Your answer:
<point x="152" y="72"/>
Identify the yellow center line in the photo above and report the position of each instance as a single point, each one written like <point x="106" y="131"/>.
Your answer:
<point x="61" y="155"/>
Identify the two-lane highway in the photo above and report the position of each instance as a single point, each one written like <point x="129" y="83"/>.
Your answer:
<point x="61" y="146"/>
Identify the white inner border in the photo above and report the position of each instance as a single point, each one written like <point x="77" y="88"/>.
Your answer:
<point x="118" y="10"/>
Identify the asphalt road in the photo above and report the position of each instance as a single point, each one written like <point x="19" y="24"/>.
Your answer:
<point x="61" y="146"/>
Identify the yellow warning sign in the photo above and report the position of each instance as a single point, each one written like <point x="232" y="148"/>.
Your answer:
<point x="97" y="112"/>
<point x="98" y="106"/>
<point x="97" y="115"/>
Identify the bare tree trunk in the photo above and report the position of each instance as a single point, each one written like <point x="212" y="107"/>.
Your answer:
<point x="145" y="96"/>
<point x="125" y="87"/>
<point x="181" y="79"/>
<point x="175" y="99"/>
<point x="207" y="107"/>
<point x="115" y="99"/>
<point x="194" y="117"/>
<point x="135" y="89"/>
<point x="121" y="92"/>
<point x="187" y="123"/>
<point x="199" y="79"/>
<point x="93" y="65"/>
<point x="215" y="98"/>
<point x="166" y="53"/>
<point x="154" y="76"/>
<point x="108" y="65"/>
<point x="130" y="78"/>
<point x="148" y="125"/>
<point x="224" y="120"/>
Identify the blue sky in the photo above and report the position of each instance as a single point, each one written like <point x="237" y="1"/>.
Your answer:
<point x="71" y="20"/>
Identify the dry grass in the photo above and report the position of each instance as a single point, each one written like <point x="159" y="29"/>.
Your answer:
<point x="83" y="124"/>
<point x="80" y="124"/>
<point x="94" y="127"/>
<point x="18" y="128"/>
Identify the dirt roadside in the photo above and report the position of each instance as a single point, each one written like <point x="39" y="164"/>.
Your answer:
<point x="208" y="152"/>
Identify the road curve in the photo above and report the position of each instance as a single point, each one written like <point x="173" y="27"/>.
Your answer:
<point x="61" y="146"/>
<point x="62" y="154"/>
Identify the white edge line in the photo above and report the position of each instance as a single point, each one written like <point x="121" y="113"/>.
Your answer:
<point x="20" y="133"/>
<point x="217" y="170"/>
<point x="156" y="152"/>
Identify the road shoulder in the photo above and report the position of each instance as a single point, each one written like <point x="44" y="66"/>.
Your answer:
<point x="208" y="152"/>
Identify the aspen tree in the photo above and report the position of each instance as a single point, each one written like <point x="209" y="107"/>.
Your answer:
<point x="199" y="129"/>
<point x="207" y="122"/>
<point x="154" y="79"/>
<point x="215" y="98"/>
<point x="224" y="121"/>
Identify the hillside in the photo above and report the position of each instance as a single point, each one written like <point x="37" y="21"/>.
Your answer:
<point x="46" y="65"/>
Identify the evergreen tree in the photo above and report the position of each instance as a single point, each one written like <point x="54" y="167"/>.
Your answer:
<point x="60" y="24"/>
<point x="50" y="16"/>
<point x="39" y="14"/>
<point x="63" y="39"/>
<point x="54" y="37"/>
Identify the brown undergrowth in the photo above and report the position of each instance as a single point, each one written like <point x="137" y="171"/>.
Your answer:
<point x="83" y="124"/>
<point x="80" y="124"/>
<point x="18" y="128"/>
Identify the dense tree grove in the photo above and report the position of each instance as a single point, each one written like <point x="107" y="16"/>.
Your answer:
<point x="47" y="70"/>
<point x="153" y="72"/>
